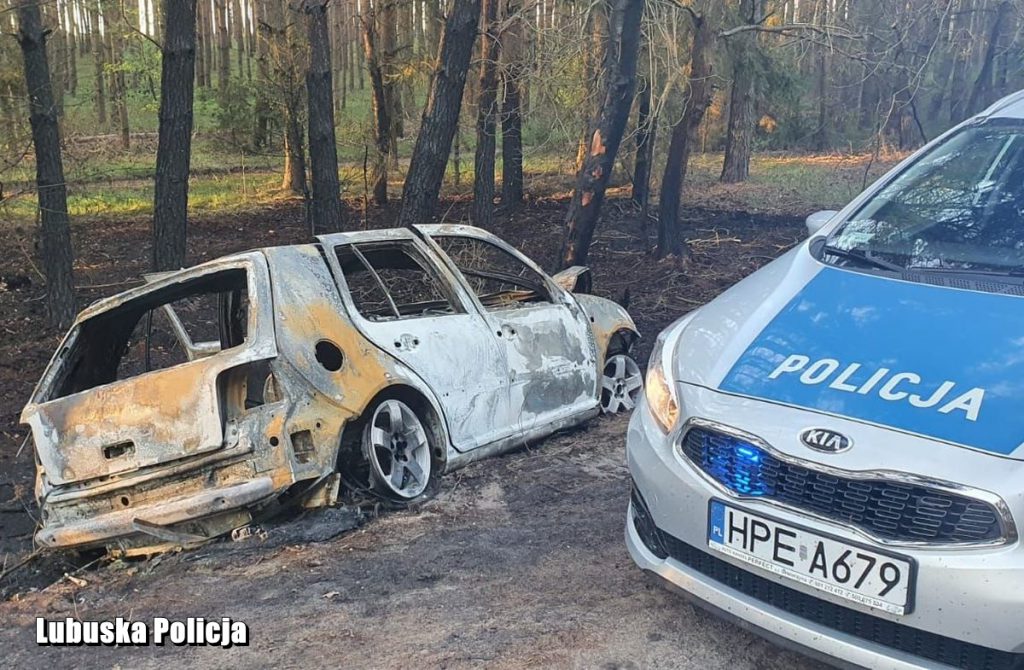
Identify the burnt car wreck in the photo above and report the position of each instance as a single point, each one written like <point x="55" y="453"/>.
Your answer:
<point x="181" y="409"/>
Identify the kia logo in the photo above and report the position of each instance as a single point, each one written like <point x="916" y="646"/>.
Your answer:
<point x="822" y="439"/>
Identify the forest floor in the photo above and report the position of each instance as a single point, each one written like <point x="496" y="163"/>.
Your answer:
<point x="518" y="562"/>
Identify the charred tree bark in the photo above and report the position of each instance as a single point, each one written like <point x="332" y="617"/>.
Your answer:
<point x="645" y="136"/>
<point x="53" y="200"/>
<point x="607" y="130"/>
<point x="325" y="211"/>
<point x="380" y="110"/>
<point x="441" y="114"/>
<point x="174" y="143"/>
<point x="511" y="111"/>
<point x="483" y="176"/>
<point x="684" y="138"/>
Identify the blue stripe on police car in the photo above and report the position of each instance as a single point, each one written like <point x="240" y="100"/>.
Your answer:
<point x="935" y="361"/>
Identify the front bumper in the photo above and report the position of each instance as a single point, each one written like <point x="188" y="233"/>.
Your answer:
<point x="967" y="607"/>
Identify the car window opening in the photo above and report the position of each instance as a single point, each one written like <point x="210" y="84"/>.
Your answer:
<point x="157" y="330"/>
<point x="392" y="281"/>
<point x="498" y="278"/>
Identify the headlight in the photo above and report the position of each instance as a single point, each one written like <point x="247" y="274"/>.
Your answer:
<point x="659" y="388"/>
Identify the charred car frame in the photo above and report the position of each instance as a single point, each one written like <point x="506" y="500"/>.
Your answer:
<point x="177" y="410"/>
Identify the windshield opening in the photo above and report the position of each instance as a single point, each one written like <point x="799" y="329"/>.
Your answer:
<point x="959" y="208"/>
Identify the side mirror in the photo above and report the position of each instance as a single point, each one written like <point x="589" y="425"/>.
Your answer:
<point x="576" y="279"/>
<point x="817" y="221"/>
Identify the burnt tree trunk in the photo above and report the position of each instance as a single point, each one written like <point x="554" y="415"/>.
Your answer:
<point x="440" y="115"/>
<point x="645" y="129"/>
<point x="684" y="138"/>
<point x="379" y="108"/>
<point x="511" y="111"/>
<point x="608" y="128"/>
<point x="52" y="191"/>
<point x="483" y="177"/>
<point x="174" y="143"/>
<point x="325" y="210"/>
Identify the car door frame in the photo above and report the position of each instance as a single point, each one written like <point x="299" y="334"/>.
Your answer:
<point x="589" y="397"/>
<point x="463" y="437"/>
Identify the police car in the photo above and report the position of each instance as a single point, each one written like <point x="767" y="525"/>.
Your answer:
<point x="832" y="451"/>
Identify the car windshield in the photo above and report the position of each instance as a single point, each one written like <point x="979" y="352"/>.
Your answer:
<point x="960" y="208"/>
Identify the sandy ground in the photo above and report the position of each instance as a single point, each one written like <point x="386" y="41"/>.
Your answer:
<point x="519" y="562"/>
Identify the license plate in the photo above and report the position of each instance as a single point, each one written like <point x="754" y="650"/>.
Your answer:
<point x="852" y="572"/>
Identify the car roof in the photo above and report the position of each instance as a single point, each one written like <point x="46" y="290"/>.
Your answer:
<point x="1010" y="107"/>
<point x="384" y="234"/>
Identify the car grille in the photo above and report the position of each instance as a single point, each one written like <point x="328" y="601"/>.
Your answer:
<point x="924" y="645"/>
<point x="885" y="509"/>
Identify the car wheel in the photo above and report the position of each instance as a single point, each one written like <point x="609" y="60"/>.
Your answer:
<point x="621" y="384"/>
<point x="398" y="448"/>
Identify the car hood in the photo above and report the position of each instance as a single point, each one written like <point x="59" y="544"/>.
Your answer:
<point x="932" y="361"/>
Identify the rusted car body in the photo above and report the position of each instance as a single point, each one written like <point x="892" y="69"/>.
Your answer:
<point x="175" y="411"/>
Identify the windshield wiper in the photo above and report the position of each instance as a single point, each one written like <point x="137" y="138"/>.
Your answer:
<point x="860" y="256"/>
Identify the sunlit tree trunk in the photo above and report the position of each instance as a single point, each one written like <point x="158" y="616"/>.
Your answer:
<point x="606" y="133"/>
<point x="487" y="112"/>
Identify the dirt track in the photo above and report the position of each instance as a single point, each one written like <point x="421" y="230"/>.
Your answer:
<point x="518" y="563"/>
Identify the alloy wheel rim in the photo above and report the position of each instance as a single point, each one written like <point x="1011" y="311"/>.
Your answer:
<point x="620" y="385"/>
<point x="399" y="450"/>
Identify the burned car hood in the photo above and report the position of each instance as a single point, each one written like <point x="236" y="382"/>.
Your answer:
<point x="938" y="362"/>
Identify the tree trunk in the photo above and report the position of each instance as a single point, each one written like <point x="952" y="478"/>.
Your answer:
<point x="238" y="29"/>
<point x="223" y="47"/>
<point x="595" y="54"/>
<point x="53" y="199"/>
<point x="261" y="131"/>
<point x="982" y="87"/>
<point x="117" y="83"/>
<point x="174" y="143"/>
<point x="742" y="122"/>
<point x="608" y="128"/>
<point x="441" y="114"/>
<point x="100" y="87"/>
<point x="294" y="179"/>
<point x="483" y="171"/>
<point x="325" y="214"/>
<point x="645" y="137"/>
<point x="684" y="138"/>
<point x="380" y="110"/>
<point x="511" y="111"/>
<point x="387" y="31"/>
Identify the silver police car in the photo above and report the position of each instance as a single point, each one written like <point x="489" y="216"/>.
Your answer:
<point x="832" y="451"/>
